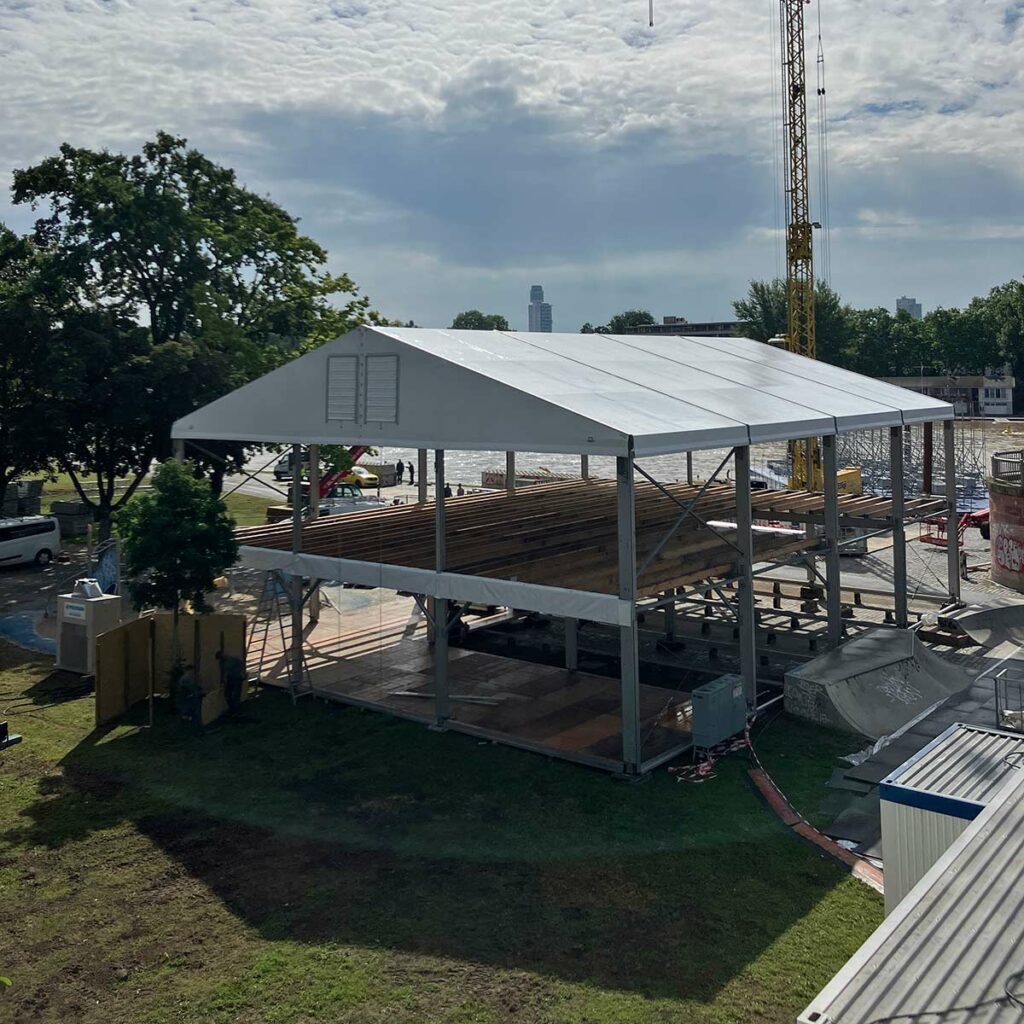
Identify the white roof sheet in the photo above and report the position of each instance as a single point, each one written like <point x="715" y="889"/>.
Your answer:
<point x="579" y="393"/>
<point x="951" y="950"/>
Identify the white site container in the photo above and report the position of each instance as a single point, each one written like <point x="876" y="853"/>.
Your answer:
<point x="931" y="799"/>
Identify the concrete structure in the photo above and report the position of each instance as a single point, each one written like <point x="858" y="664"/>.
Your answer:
<point x="679" y="325"/>
<point x="950" y="951"/>
<point x="591" y="551"/>
<point x="980" y="394"/>
<point x="539" y="311"/>
<point x="909" y="305"/>
<point x="932" y="798"/>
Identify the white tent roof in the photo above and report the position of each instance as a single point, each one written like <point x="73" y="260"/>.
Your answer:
<point x="576" y="393"/>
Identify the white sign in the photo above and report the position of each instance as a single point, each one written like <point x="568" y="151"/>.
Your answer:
<point x="73" y="610"/>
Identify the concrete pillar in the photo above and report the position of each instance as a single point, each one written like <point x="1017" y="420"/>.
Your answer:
<point x="899" y="536"/>
<point x="421" y="475"/>
<point x="952" y="519"/>
<point x="572" y="639"/>
<point x="745" y="540"/>
<point x="441" y="704"/>
<point x="628" y="640"/>
<point x="830" y="482"/>
<point x="510" y="471"/>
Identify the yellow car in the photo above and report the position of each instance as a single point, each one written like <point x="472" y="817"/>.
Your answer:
<point x="361" y="477"/>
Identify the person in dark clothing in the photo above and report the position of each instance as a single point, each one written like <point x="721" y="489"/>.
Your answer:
<point x="412" y="474"/>
<point x="447" y="490"/>
<point x="399" y="470"/>
<point x="188" y="698"/>
<point x="460" y="491"/>
<point x="232" y="674"/>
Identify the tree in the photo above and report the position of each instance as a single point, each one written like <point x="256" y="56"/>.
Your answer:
<point x="474" y="320"/>
<point x="764" y="314"/>
<point x="29" y="364"/>
<point x="623" y="323"/>
<point x="170" y="238"/>
<point x="588" y="328"/>
<point x="176" y="541"/>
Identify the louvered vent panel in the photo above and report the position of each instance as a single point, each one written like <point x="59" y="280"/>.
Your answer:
<point x="382" y="389"/>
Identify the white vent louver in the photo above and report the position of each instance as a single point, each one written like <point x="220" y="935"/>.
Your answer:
<point x="342" y="387"/>
<point x="381" y="389"/>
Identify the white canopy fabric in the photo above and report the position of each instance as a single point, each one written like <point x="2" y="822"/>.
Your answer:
<point x="588" y="394"/>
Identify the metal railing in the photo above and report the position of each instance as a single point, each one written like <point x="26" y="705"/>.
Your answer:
<point x="1008" y="466"/>
<point x="1009" y="686"/>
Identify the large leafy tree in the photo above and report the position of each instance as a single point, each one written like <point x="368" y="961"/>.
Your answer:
<point x="29" y="360"/>
<point x="172" y="240"/>
<point x="176" y="540"/>
<point x="474" y="320"/>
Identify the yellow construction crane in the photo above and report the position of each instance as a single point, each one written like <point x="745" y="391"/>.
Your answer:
<point x="805" y="456"/>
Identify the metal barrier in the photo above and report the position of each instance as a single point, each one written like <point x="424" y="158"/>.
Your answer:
<point x="1010" y="699"/>
<point x="1008" y="466"/>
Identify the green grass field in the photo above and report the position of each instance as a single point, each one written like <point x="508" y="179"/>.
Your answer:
<point x="321" y="864"/>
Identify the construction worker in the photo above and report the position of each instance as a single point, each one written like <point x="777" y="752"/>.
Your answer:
<point x="188" y="697"/>
<point x="399" y="470"/>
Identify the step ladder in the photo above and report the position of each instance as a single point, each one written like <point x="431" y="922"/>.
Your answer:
<point x="274" y="618"/>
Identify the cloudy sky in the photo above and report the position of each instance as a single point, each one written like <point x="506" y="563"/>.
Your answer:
<point x="451" y="153"/>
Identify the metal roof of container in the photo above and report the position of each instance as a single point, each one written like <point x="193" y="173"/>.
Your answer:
<point x="967" y="764"/>
<point x="575" y="393"/>
<point x="951" y="950"/>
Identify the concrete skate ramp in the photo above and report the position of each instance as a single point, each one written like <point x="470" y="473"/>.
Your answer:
<point x="993" y="626"/>
<point x="872" y="685"/>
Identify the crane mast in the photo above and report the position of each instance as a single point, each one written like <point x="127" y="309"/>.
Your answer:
<point x="805" y="456"/>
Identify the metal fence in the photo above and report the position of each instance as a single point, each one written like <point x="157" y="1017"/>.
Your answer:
<point x="1008" y="466"/>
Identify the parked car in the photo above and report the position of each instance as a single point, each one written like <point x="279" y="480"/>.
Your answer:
<point x="29" y="539"/>
<point x="361" y="477"/>
<point x="283" y="468"/>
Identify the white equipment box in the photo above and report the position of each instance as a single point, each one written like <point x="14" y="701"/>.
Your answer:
<point x="79" y="621"/>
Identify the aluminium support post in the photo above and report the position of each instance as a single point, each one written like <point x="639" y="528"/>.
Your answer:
<point x="929" y="457"/>
<point x="295" y="659"/>
<point x="629" y="648"/>
<point x="314" y="514"/>
<point x="510" y="472"/>
<point x="440" y="604"/>
<point x="689" y="467"/>
<point x="952" y="520"/>
<point x="899" y="535"/>
<point x="572" y="644"/>
<point x="745" y="539"/>
<point x="421" y="480"/>
<point x="833" y="582"/>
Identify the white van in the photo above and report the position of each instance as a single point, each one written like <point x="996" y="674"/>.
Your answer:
<point x="29" y="539"/>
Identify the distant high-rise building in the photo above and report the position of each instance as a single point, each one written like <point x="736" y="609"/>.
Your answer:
<point x="540" y="311"/>
<point x="911" y="306"/>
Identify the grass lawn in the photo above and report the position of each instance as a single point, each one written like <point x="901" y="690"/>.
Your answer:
<point x="322" y="864"/>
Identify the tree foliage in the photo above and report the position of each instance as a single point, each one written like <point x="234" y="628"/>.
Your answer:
<point x="176" y="540"/>
<point x="29" y="360"/>
<point x="474" y="320"/>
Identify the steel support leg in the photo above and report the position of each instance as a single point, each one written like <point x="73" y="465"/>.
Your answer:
<point x="441" y="704"/>
<point x="628" y="642"/>
<point x="421" y="470"/>
<point x="929" y="458"/>
<point x="745" y="538"/>
<point x="952" y="519"/>
<point x="899" y="535"/>
<point x="572" y="639"/>
<point x="689" y="467"/>
<point x="510" y="471"/>
<point x="295" y="590"/>
<point x="830" y="482"/>
<point x="314" y="514"/>
<point x="178" y="445"/>
<point x="585" y="467"/>
<point x="669" y="611"/>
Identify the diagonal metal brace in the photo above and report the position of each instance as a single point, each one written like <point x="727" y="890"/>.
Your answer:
<point x="688" y="510"/>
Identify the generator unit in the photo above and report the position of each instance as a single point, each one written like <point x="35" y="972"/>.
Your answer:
<point x="80" y="620"/>
<point x="719" y="710"/>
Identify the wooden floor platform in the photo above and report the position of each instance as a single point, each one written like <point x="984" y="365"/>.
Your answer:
<point x="380" y="657"/>
<point x="565" y="534"/>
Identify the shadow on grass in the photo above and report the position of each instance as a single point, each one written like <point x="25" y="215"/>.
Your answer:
<point x="323" y="824"/>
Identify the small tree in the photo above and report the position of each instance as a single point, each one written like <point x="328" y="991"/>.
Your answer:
<point x="176" y="540"/>
<point x="474" y="320"/>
